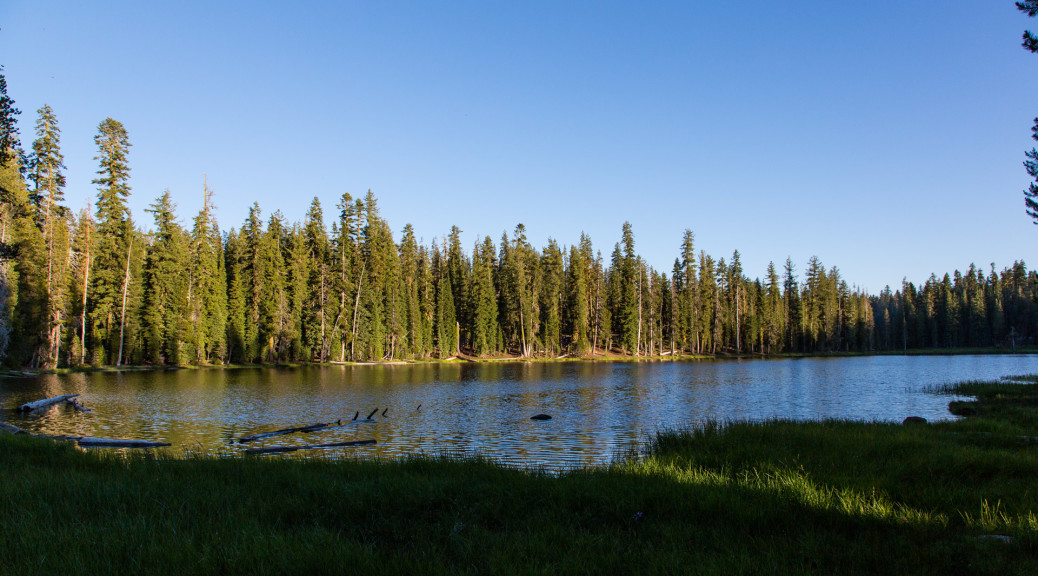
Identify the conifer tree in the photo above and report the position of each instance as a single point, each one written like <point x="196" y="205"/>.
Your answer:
<point x="83" y="239"/>
<point x="11" y="186"/>
<point x="579" y="309"/>
<point x="52" y="218"/>
<point x="238" y="338"/>
<point x="25" y="283"/>
<point x="272" y="306"/>
<point x="793" y="312"/>
<point x="484" y="299"/>
<point x="1030" y="43"/>
<point x="410" y="294"/>
<point x="315" y="323"/>
<point x="110" y="271"/>
<point x="298" y="266"/>
<point x="446" y="318"/>
<point x="707" y="302"/>
<point x="773" y="316"/>
<point x="459" y="271"/>
<point x="551" y="297"/>
<point x="207" y="288"/>
<point x="165" y="317"/>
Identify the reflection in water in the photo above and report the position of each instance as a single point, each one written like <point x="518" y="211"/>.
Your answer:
<point x="598" y="409"/>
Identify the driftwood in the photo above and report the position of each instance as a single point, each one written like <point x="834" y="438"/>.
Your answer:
<point x="30" y="406"/>
<point x="4" y="426"/>
<point x="75" y="404"/>
<point x="283" y="449"/>
<point x="319" y="427"/>
<point x="260" y="436"/>
<point x="112" y="442"/>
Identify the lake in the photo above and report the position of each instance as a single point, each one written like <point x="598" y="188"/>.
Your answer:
<point x="598" y="409"/>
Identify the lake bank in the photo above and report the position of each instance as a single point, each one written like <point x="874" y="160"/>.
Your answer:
<point x="755" y="498"/>
<point x="518" y="359"/>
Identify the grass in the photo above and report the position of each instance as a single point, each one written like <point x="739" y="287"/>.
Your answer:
<point x="742" y="498"/>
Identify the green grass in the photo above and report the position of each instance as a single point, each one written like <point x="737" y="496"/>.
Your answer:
<point x="743" y="498"/>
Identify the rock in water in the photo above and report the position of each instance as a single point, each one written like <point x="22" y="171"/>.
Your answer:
<point x="540" y="417"/>
<point x="914" y="420"/>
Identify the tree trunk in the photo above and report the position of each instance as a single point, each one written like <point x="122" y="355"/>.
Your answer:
<point x="122" y="316"/>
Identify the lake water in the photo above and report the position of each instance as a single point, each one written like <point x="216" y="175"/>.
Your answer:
<point x="597" y="409"/>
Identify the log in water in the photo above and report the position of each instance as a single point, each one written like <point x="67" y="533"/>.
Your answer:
<point x="284" y="449"/>
<point x="319" y="427"/>
<point x="88" y="441"/>
<point x="30" y="406"/>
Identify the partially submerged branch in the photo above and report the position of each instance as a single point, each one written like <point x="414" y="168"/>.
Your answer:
<point x="284" y="449"/>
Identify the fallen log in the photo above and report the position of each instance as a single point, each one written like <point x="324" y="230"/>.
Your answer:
<point x="4" y="426"/>
<point x="343" y="425"/>
<point x="311" y="428"/>
<point x="284" y="449"/>
<point x="30" y="406"/>
<point x="112" y="442"/>
<point x="261" y="435"/>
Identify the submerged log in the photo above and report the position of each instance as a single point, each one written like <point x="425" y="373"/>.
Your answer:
<point x="4" y="426"/>
<point x="75" y="404"/>
<point x="112" y="442"/>
<point x="260" y="436"/>
<point x="30" y="406"/>
<point x="320" y="427"/>
<point x="284" y="449"/>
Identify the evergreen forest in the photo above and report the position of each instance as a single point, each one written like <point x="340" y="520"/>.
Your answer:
<point x="92" y="287"/>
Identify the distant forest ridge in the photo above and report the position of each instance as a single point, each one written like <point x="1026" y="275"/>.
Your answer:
<point x="92" y="288"/>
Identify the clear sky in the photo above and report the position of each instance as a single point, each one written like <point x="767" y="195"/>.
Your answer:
<point x="885" y="137"/>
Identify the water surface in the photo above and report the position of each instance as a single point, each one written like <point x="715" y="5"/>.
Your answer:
<point x="598" y="409"/>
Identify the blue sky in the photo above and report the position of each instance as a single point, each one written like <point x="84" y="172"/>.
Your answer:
<point x="884" y="137"/>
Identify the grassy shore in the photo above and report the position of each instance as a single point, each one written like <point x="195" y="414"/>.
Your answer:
<point x="744" y="498"/>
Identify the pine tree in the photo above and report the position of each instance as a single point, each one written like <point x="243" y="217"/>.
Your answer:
<point x="551" y="297"/>
<point x="298" y="267"/>
<point x="707" y="297"/>
<point x="774" y="325"/>
<point x="793" y="313"/>
<point x="26" y="281"/>
<point x="578" y="306"/>
<point x="459" y="271"/>
<point x="238" y="339"/>
<point x="165" y="317"/>
<point x="736" y="297"/>
<point x="688" y="305"/>
<point x="410" y="294"/>
<point x="52" y="218"/>
<point x="11" y="186"/>
<point x="318" y="307"/>
<point x="484" y="299"/>
<point x="1030" y="43"/>
<point x="83" y="239"/>
<point x="110" y="270"/>
<point x="446" y="318"/>
<point x="272" y="298"/>
<point x="207" y="288"/>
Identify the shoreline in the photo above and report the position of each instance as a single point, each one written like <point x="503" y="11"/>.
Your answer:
<point x="28" y="373"/>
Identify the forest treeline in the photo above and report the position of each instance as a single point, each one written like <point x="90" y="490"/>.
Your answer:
<point x="91" y="287"/>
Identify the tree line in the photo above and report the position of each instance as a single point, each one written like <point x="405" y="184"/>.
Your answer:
<point x="94" y="288"/>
